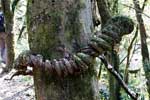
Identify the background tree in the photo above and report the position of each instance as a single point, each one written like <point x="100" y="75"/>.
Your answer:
<point x="108" y="8"/>
<point x="144" y="47"/>
<point x="8" y="14"/>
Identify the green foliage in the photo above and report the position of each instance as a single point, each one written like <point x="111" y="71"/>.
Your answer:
<point x="26" y="79"/>
<point x="72" y="25"/>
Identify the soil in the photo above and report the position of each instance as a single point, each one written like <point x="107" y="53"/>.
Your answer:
<point x="19" y="88"/>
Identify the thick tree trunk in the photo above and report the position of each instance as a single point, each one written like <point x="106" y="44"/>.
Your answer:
<point x="55" y="24"/>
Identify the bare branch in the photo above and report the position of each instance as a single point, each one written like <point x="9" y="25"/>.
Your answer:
<point x="144" y="4"/>
<point x="111" y="69"/>
<point x="136" y="9"/>
<point x="128" y="55"/>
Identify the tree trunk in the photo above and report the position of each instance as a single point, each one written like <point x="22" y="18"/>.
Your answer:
<point x="103" y="10"/>
<point x="144" y="47"/>
<point x="10" y="37"/>
<point x="113" y="6"/>
<point x="114" y="88"/>
<point x="55" y="24"/>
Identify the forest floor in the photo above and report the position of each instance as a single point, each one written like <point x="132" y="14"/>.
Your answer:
<point x="19" y="88"/>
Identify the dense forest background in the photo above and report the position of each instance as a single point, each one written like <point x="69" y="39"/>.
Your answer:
<point x="130" y="59"/>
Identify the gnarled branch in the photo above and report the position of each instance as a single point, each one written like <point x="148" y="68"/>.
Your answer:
<point x="110" y="35"/>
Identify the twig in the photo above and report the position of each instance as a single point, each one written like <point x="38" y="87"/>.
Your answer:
<point x="122" y="60"/>
<point x="134" y="49"/>
<point x="144" y="3"/>
<point x="111" y="69"/>
<point x="28" y="72"/>
<point x="128" y="55"/>
<point x="100" y="69"/>
<point x="136" y="9"/>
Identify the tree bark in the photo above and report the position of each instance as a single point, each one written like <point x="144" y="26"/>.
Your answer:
<point x="10" y="37"/>
<point x="55" y="24"/>
<point x="113" y="6"/>
<point x="104" y="11"/>
<point x="144" y="48"/>
<point x="114" y="88"/>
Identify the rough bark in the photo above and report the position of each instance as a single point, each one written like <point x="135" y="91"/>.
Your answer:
<point x="104" y="11"/>
<point x="9" y="38"/>
<point x="55" y="24"/>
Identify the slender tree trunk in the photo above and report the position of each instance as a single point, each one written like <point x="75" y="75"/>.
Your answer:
<point x="104" y="11"/>
<point x="9" y="38"/>
<point x="144" y="48"/>
<point x="54" y="24"/>
<point x="114" y="88"/>
<point x="113" y="6"/>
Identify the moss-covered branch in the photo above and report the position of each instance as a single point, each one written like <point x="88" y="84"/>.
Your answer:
<point x="111" y="34"/>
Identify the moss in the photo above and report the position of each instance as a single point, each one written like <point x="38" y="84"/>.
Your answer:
<point x="43" y="31"/>
<point x="44" y="40"/>
<point x="72" y="26"/>
<point x="124" y="23"/>
<point x="118" y="26"/>
<point x="55" y="21"/>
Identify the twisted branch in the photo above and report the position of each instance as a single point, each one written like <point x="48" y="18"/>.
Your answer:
<point x="110" y="35"/>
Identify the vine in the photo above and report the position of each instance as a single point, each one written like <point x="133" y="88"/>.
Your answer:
<point x="110" y="35"/>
